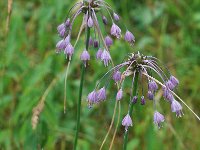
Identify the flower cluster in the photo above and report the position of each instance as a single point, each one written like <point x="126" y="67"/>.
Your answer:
<point x="149" y="67"/>
<point x="92" y="10"/>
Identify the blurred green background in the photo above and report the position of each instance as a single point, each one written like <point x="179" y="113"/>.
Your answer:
<point x="168" y="29"/>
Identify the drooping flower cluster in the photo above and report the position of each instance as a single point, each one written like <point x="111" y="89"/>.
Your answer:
<point x="148" y="67"/>
<point x="92" y="10"/>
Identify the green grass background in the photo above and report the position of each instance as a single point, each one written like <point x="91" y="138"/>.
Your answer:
<point x="168" y="29"/>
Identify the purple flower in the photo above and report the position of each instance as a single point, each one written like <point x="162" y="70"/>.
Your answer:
<point x="158" y="119"/>
<point x="85" y="56"/>
<point x="143" y="101"/>
<point x="68" y="23"/>
<point x="152" y="86"/>
<point x="61" y="29"/>
<point x="99" y="53"/>
<point x="92" y="98"/>
<point x="90" y="41"/>
<point x="127" y="122"/>
<point x="105" y="21"/>
<point x="69" y="50"/>
<point x="117" y="76"/>
<point x="169" y="85"/>
<point x="105" y="57"/>
<point x="119" y="95"/>
<point x="174" y="81"/>
<point x="108" y="41"/>
<point x="115" y="31"/>
<point x="129" y="37"/>
<point x="90" y="22"/>
<point x="96" y="44"/>
<point x="116" y="17"/>
<point x="150" y="95"/>
<point x="167" y="94"/>
<point x="177" y="108"/>
<point x="101" y="94"/>
<point x="134" y="100"/>
<point x="62" y="43"/>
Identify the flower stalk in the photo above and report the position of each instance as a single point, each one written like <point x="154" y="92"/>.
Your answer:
<point x="131" y="109"/>
<point x="83" y="68"/>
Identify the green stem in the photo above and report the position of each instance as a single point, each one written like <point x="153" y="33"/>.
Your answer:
<point x="80" y="93"/>
<point x="131" y="109"/>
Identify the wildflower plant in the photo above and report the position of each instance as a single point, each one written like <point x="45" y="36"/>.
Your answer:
<point x="93" y="15"/>
<point x="136" y="67"/>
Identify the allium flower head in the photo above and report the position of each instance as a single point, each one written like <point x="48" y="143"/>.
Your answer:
<point x="127" y="122"/>
<point x="144" y="67"/>
<point x="158" y="118"/>
<point x="91" y="11"/>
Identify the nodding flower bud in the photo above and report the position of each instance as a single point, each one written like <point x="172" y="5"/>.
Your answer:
<point x="134" y="100"/>
<point x="127" y="122"/>
<point x="117" y="76"/>
<point x="174" y="81"/>
<point x="105" y="57"/>
<point x="129" y="37"/>
<point x="158" y="119"/>
<point x="96" y="44"/>
<point x="169" y="85"/>
<point x="167" y="94"/>
<point x="90" y="41"/>
<point x="177" y="108"/>
<point x="99" y="53"/>
<point x="61" y="29"/>
<point x="90" y="22"/>
<point x="68" y="23"/>
<point x="69" y="50"/>
<point x="152" y="86"/>
<point x="108" y="41"/>
<point x="150" y="95"/>
<point x="143" y="101"/>
<point x="116" y="17"/>
<point x="61" y="45"/>
<point x="85" y="56"/>
<point x="92" y="98"/>
<point x="101" y="94"/>
<point x="115" y="31"/>
<point x="119" y="95"/>
<point x="105" y="21"/>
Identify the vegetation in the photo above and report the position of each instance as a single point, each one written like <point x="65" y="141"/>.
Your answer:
<point x="169" y="30"/>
